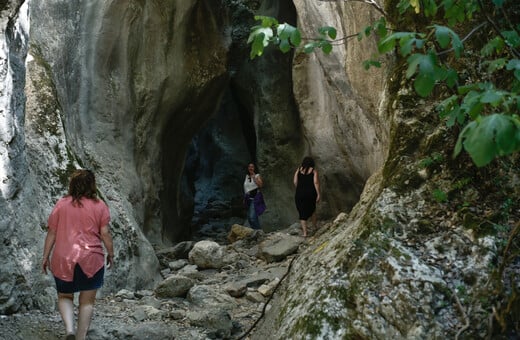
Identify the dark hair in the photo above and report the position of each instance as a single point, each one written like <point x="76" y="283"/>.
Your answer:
<point x="307" y="163"/>
<point x="82" y="184"/>
<point x="247" y="167"/>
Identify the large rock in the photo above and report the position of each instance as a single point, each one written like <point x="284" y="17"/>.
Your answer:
<point x="278" y="247"/>
<point x="207" y="254"/>
<point x="239" y="232"/>
<point x="174" y="286"/>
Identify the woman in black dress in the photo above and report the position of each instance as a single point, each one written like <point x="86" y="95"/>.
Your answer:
<point x="307" y="194"/>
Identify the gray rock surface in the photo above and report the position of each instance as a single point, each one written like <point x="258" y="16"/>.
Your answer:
<point x="208" y="310"/>
<point x="207" y="255"/>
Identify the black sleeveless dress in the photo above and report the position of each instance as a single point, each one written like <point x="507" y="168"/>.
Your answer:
<point x="305" y="197"/>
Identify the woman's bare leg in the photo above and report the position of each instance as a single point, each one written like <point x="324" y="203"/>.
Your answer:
<point x="66" y="308"/>
<point x="87" y="298"/>
<point x="314" y="225"/>
<point x="304" y="227"/>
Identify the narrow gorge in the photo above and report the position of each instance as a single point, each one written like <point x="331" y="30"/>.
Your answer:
<point x="162" y="101"/>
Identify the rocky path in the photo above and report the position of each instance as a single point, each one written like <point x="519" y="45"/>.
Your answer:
<point x="220" y="301"/>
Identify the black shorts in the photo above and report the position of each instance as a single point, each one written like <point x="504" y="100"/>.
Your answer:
<point x="80" y="281"/>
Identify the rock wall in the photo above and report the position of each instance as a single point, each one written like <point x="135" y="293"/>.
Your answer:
<point x="14" y="185"/>
<point x="342" y="106"/>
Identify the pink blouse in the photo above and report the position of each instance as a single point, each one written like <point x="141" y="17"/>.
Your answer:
<point x="77" y="236"/>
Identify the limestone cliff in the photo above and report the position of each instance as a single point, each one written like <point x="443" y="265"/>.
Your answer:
<point x="161" y="100"/>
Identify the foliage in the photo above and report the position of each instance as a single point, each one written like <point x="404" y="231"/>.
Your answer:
<point x="440" y="196"/>
<point x="435" y="158"/>
<point x="486" y="109"/>
<point x="286" y="37"/>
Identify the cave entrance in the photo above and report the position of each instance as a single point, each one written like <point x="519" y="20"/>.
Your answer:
<point x="216" y="164"/>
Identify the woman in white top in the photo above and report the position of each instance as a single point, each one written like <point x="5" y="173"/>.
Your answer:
<point x="252" y="183"/>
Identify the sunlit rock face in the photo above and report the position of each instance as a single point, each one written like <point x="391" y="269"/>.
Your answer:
<point x="16" y="220"/>
<point x="107" y="83"/>
<point x="341" y="105"/>
<point x="130" y="86"/>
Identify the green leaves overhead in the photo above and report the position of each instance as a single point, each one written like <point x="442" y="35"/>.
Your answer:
<point x="259" y="39"/>
<point x="286" y="37"/>
<point x="486" y="110"/>
<point x="489" y="137"/>
<point x="289" y="36"/>
<point x="445" y="36"/>
<point x="407" y="42"/>
<point x="328" y="31"/>
<point x="424" y="66"/>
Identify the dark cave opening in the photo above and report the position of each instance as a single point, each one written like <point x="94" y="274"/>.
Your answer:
<point x="207" y="186"/>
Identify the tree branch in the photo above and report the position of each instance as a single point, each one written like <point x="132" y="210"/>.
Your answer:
<point x="464" y="315"/>
<point x="465" y="38"/>
<point x="497" y="30"/>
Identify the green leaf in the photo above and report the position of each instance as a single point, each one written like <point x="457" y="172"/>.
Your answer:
<point x="494" y="65"/>
<point x="489" y="137"/>
<point x="309" y="48"/>
<point x="430" y="8"/>
<point x="381" y="28"/>
<point x="471" y="104"/>
<point x="257" y="47"/>
<point x="440" y="196"/>
<point x="467" y="88"/>
<point x="413" y="63"/>
<point x="450" y="109"/>
<point x="261" y="32"/>
<point x="403" y="6"/>
<point x="387" y="44"/>
<point x="423" y="65"/>
<point x="452" y="77"/>
<point x="369" y="63"/>
<point x="458" y="146"/>
<point x="512" y="38"/>
<point x="442" y="35"/>
<point x="456" y="116"/>
<point x="296" y="37"/>
<point x="288" y="35"/>
<point x="423" y="84"/>
<point x="498" y="3"/>
<point x="328" y="30"/>
<point x="407" y="43"/>
<point x="492" y="97"/>
<point x="495" y="45"/>
<point x="266" y="21"/>
<point x="326" y="47"/>
<point x="284" y="31"/>
<point x="367" y="30"/>
<point x="284" y="46"/>
<point x="513" y="64"/>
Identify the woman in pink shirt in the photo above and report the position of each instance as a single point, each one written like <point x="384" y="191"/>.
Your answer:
<point x="78" y="225"/>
